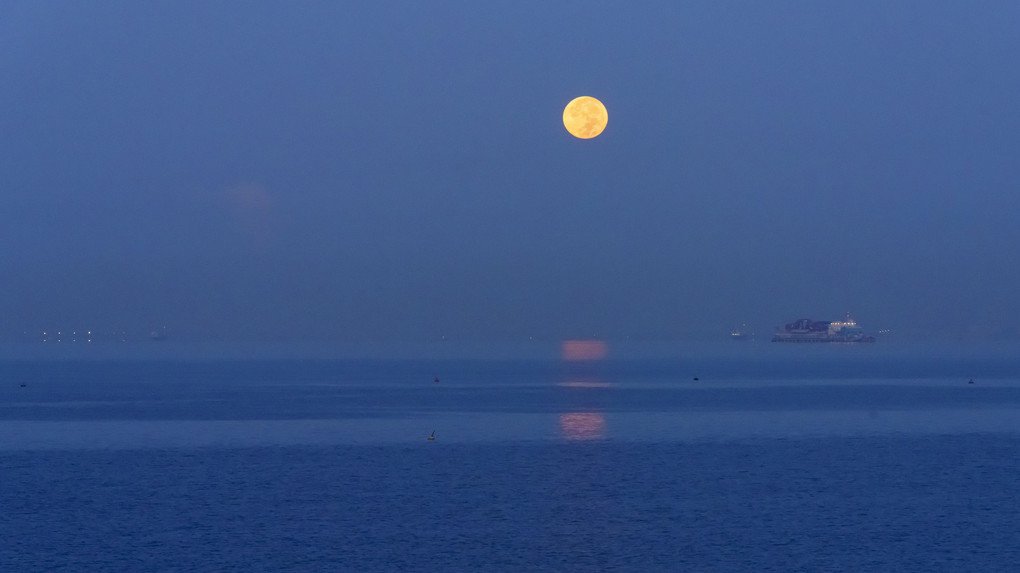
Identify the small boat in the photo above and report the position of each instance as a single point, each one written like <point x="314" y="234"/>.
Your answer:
<point x="741" y="332"/>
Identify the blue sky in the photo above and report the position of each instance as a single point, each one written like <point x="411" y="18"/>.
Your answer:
<point x="399" y="171"/>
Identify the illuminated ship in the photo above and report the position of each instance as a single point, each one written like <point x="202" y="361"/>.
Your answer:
<point x="807" y="330"/>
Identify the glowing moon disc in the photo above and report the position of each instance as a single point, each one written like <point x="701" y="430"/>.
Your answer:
<point x="585" y="117"/>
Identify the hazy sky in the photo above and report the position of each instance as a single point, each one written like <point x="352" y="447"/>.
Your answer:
<point x="399" y="170"/>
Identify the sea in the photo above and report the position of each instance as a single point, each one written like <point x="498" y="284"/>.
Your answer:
<point x="682" y="457"/>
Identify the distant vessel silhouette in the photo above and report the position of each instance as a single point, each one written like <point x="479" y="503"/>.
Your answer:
<point x="807" y="330"/>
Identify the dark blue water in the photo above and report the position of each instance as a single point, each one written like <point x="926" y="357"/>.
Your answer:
<point x="536" y="466"/>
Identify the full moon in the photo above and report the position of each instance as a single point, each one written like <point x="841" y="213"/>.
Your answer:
<point x="585" y="117"/>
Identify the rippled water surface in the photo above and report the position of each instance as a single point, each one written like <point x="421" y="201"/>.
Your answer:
<point x="535" y="466"/>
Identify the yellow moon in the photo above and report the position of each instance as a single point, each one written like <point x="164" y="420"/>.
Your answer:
<point x="585" y="117"/>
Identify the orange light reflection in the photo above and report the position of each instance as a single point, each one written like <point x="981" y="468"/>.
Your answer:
<point x="572" y="350"/>
<point x="584" y="384"/>
<point x="583" y="425"/>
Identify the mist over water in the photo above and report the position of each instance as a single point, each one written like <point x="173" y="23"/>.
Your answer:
<point x="318" y="174"/>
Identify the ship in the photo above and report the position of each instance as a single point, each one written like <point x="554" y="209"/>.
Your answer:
<point x="807" y="330"/>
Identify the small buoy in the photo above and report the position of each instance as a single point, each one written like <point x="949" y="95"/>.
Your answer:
<point x="971" y="381"/>
<point x="436" y="380"/>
